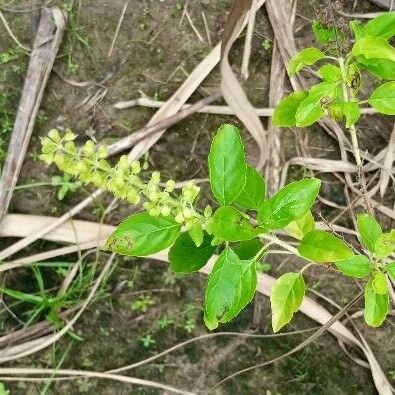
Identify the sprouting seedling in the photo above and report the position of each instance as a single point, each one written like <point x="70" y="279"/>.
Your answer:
<point x="237" y="234"/>
<point x="65" y="185"/>
<point x="339" y="94"/>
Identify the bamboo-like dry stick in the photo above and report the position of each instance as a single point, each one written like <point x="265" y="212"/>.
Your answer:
<point x="46" y="45"/>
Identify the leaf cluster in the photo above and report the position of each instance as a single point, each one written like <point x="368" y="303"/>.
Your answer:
<point x="338" y="94"/>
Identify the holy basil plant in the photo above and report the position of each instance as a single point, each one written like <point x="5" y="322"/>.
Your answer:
<point x="234" y="237"/>
<point x="339" y="92"/>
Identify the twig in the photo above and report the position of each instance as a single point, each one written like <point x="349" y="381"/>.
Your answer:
<point x="12" y="35"/>
<point x="110" y="51"/>
<point x="248" y="41"/>
<point x="194" y="28"/>
<point x="151" y="130"/>
<point x="299" y="347"/>
<point x="206" y="27"/>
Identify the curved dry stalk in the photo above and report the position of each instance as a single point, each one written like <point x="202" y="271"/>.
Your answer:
<point x="89" y="374"/>
<point x="12" y="35"/>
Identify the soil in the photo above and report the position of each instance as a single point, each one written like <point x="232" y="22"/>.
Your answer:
<point x="153" y="53"/>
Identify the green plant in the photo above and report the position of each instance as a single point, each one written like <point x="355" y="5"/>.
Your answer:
<point x="338" y="95"/>
<point x="65" y="185"/>
<point x="240" y="230"/>
<point x="142" y="304"/>
<point x="3" y="390"/>
<point x="147" y="340"/>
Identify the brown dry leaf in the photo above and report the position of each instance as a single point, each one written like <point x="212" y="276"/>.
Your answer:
<point x="232" y="90"/>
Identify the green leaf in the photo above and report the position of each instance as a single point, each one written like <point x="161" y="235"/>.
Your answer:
<point x="289" y="204"/>
<point x="369" y="230"/>
<point x="323" y="34"/>
<point x="227" y="167"/>
<point x="380" y="68"/>
<point x="197" y="233"/>
<point x="376" y="306"/>
<point x="247" y="250"/>
<point x="323" y="247"/>
<point x="223" y="291"/>
<point x="373" y="48"/>
<point x="185" y="257"/>
<point x="330" y="73"/>
<point x="142" y="235"/>
<point x="306" y="57"/>
<point x="385" y="245"/>
<point x="383" y="98"/>
<point x="352" y="113"/>
<point x="383" y="26"/>
<point x="310" y="110"/>
<point x="357" y="29"/>
<point x="229" y="224"/>
<point x="247" y="287"/>
<point x="379" y="283"/>
<point x="284" y="113"/>
<point x="286" y="297"/>
<point x="357" y="266"/>
<point x="300" y="227"/>
<point x="390" y="268"/>
<point x="254" y="191"/>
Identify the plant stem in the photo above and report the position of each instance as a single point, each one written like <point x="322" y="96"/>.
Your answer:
<point x="355" y="146"/>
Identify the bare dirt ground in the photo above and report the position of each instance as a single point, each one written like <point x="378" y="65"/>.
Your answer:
<point x="144" y="309"/>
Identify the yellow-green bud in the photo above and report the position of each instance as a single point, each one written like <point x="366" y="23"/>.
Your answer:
<point x="154" y="212"/>
<point x="155" y="177"/>
<point x="208" y="212"/>
<point x="187" y="212"/>
<point x="179" y="218"/>
<point x="170" y="185"/>
<point x="133" y="197"/>
<point x="69" y="136"/>
<point x="70" y="147"/>
<point x="89" y="148"/>
<point x="165" y="211"/>
<point x="123" y="164"/>
<point x="190" y="192"/>
<point x="136" y="167"/>
<point x="54" y="135"/>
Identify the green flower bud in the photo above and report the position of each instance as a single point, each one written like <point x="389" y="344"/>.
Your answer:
<point x="102" y="152"/>
<point x="47" y="158"/>
<point x="170" y="185"/>
<point x="54" y="135"/>
<point x="48" y="147"/>
<point x="89" y="148"/>
<point x="190" y="192"/>
<point x="179" y="218"/>
<point x="208" y="212"/>
<point x="154" y="212"/>
<point x="153" y="196"/>
<point x="69" y="136"/>
<point x="187" y="212"/>
<point x="165" y="211"/>
<point x="155" y="177"/>
<point x="70" y="147"/>
<point x="136" y="167"/>
<point x="123" y="164"/>
<point x="133" y="196"/>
